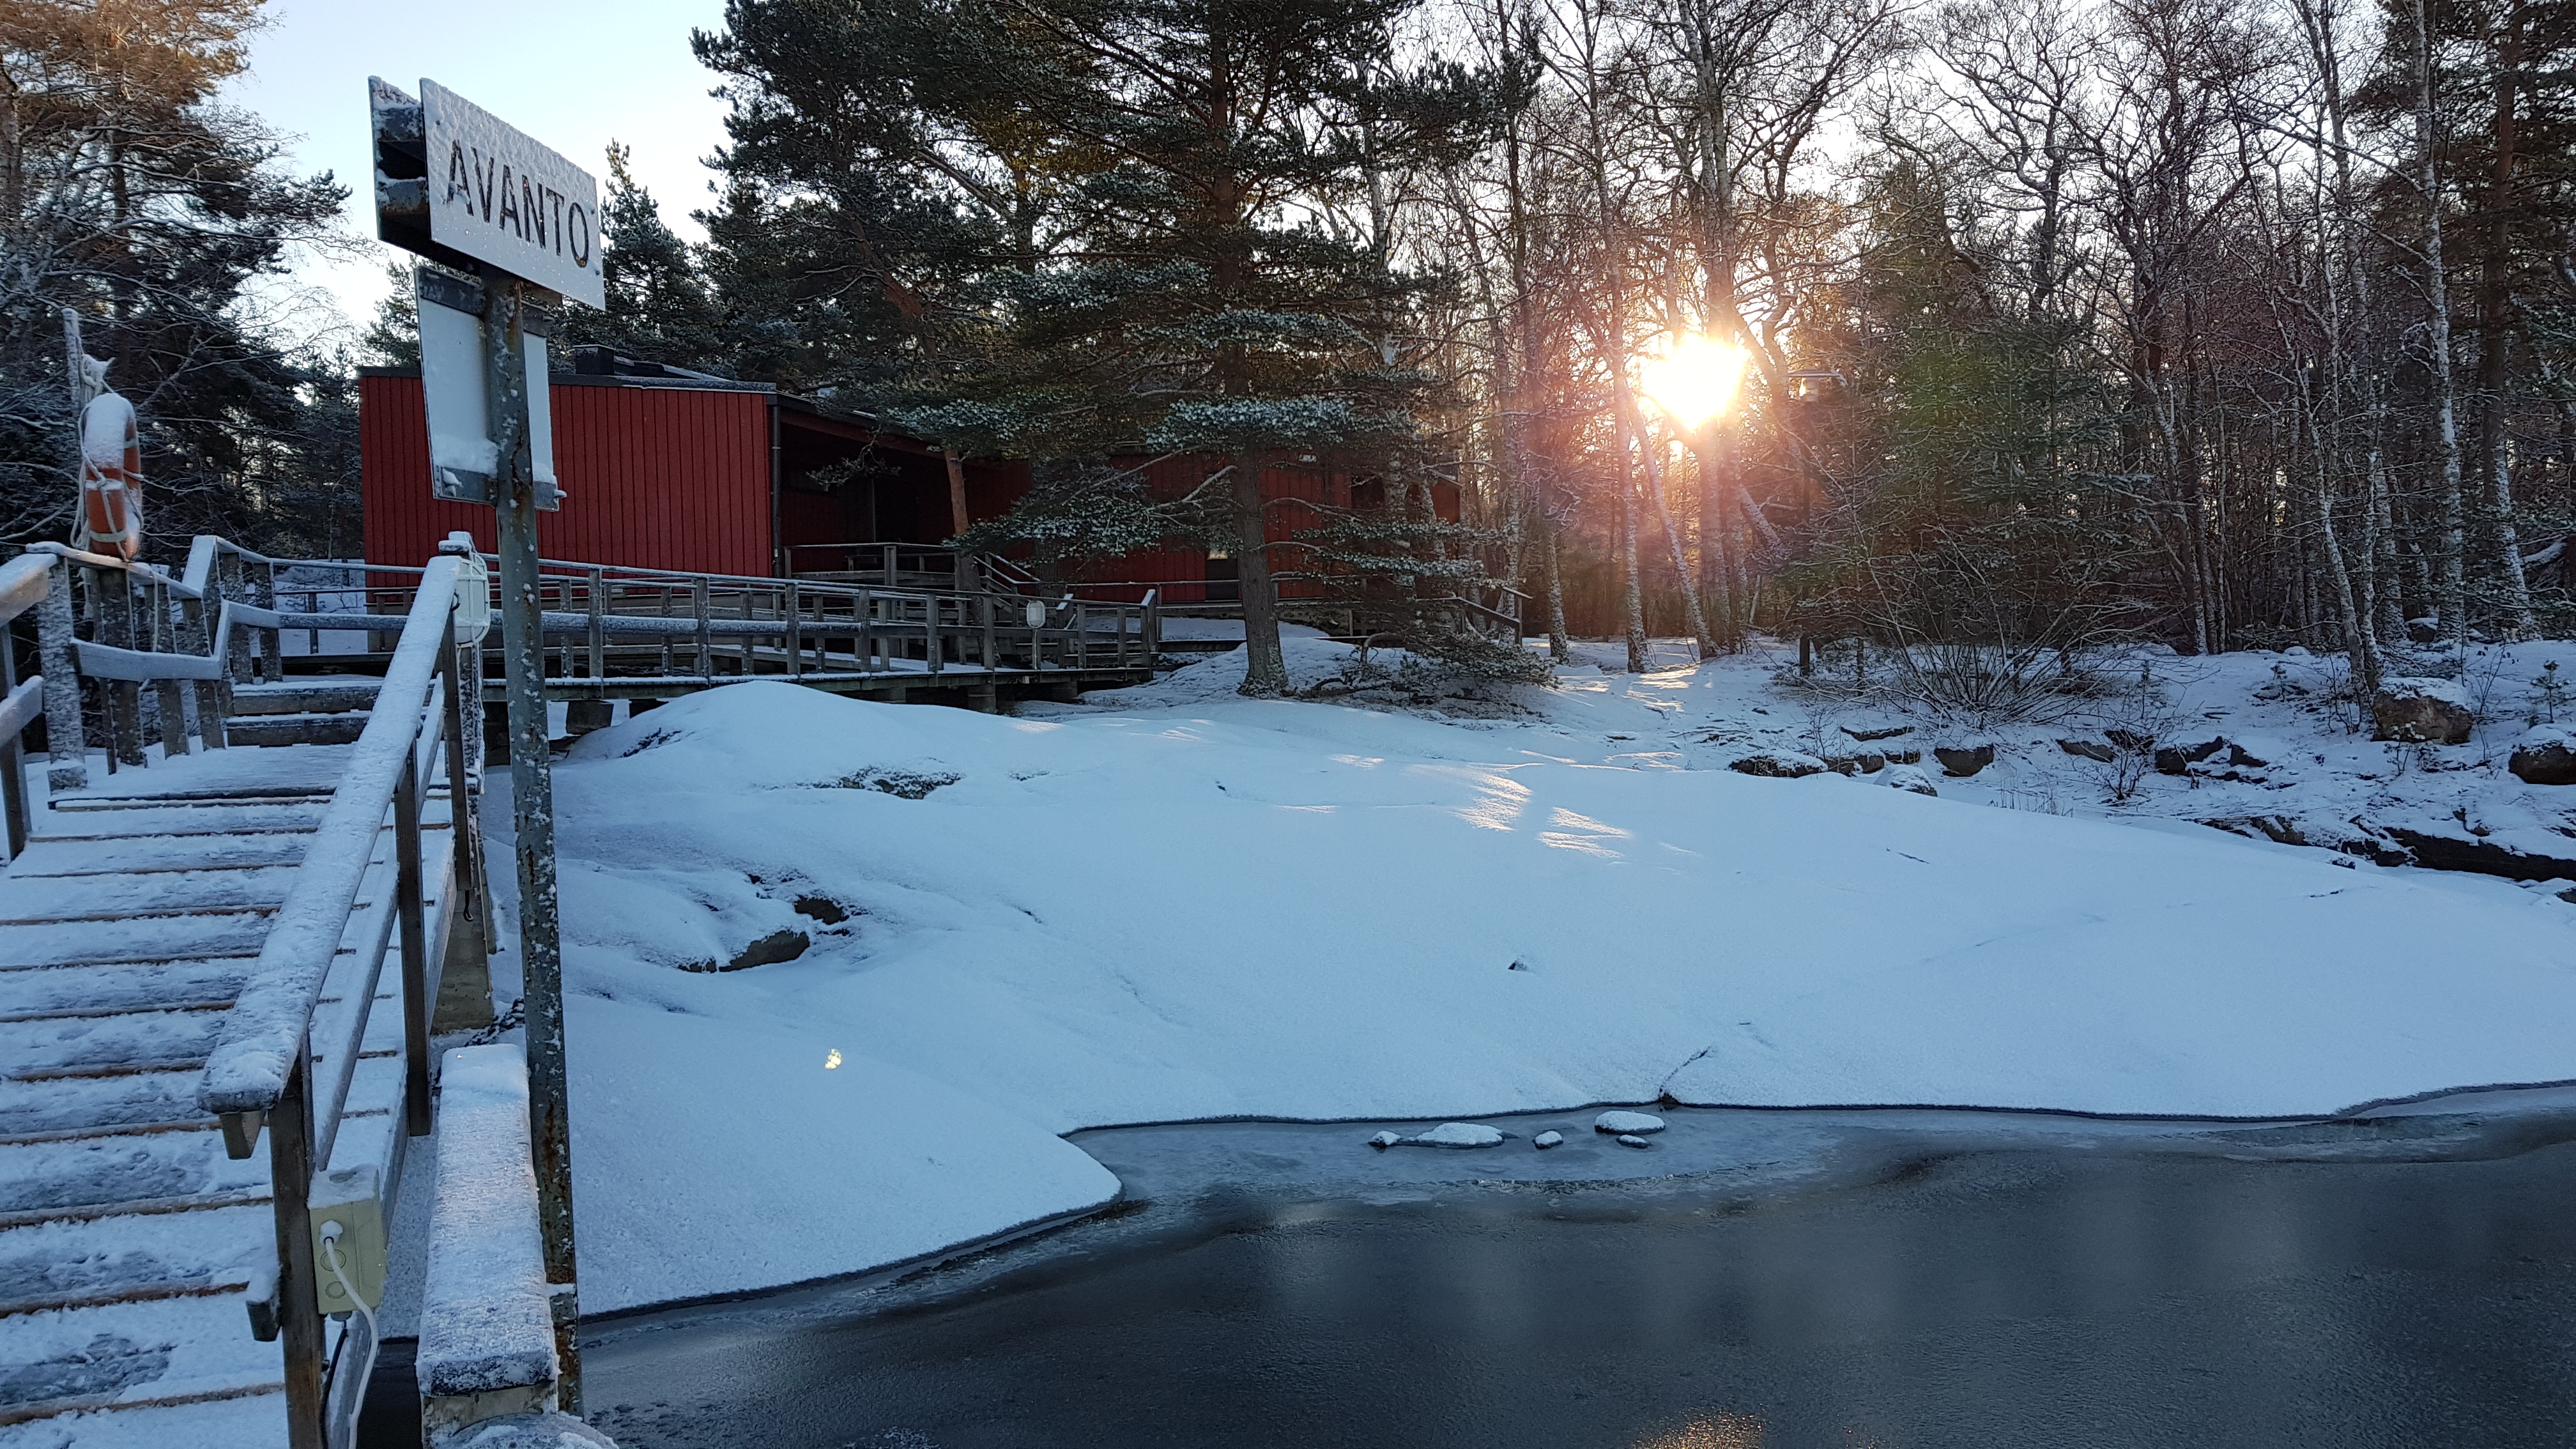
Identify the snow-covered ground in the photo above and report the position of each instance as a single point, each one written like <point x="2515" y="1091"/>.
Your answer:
<point x="1173" y="903"/>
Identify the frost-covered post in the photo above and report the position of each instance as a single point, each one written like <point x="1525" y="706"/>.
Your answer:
<point x="483" y="382"/>
<point x="67" y="755"/>
<point x="532" y="803"/>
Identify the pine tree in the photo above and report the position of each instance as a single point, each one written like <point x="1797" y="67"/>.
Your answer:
<point x="128" y="195"/>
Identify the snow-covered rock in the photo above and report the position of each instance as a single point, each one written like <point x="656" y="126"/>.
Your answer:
<point x="1547" y="1139"/>
<point x="2545" y="755"/>
<point x="1963" y="761"/>
<point x="2433" y="711"/>
<point x="1384" y="1140"/>
<point x="1456" y="1134"/>
<point x="1778" y="765"/>
<point x="1909" y="778"/>
<point x="1631" y="1139"/>
<point x="1617" y="1122"/>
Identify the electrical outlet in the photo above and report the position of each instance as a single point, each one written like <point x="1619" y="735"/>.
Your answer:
<point x="349" y="1198"/>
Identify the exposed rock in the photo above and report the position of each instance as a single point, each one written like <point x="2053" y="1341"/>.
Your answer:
<point x="1963" y="760"/>
<point x="2178" y="759"/>
<point x="2545" y="755"/>
<point x="2431" y="711"/>
<point x="1864" y="762"/>
<point x="2424" y="631"/>
<point x="1546" y="1140"/>
<point x="771" y="949"/>
<point x="822" y="908"/>
<point x="2090" y="749"/>
<point x="2258" y="753"/>
<point x="1618" y="1122"/>
<point x="1779" y="765"/>
<point x="2279" y="828"/>
<point x="902" y="784"/>
<point x="1907" y="777"/>
<point x="1865" y="736"/>
<point x="2130" y="740"/>
<point x="2444" y="851"/>
<point x="1905" y="757"/>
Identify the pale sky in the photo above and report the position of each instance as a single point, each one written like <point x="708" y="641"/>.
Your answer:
<point x="572" y="75"/>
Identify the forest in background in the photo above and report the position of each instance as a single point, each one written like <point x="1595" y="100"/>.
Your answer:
<point x="2219" y="325"/>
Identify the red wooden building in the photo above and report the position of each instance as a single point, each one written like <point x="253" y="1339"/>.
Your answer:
<point x="662" y="468"/>
<point x="665" y="468"/>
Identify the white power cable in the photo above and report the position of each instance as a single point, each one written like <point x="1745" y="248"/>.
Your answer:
<point x="331" y="1260"/>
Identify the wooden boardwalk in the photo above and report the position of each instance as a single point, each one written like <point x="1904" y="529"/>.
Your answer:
<point x="157" y="892"/>
<point x="128" y="1238"/>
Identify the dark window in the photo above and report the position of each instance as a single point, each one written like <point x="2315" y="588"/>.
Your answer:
<point x="1368" y="493"/>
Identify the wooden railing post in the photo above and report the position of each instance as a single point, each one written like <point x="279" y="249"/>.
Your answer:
<point x="795" y="631"/>
<point x="595" y="594"/>
<point x="299" y="1306"/>
<point x="13" y="759"/>
<point x="272" y="663"/>
<point x="464" y="821"/>
<point x="67" y="755"/>
<point x="867" y="611"/>
<point x="174" y="711"/>
<point x="232" y="581"/>
<point x="415" y="933"/>
<point x="197" y="638"/>
<point x="706" y="640"/>
<point x="115" y="590"/>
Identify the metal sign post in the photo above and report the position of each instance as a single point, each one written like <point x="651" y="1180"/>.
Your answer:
<point x="456" y="185"/>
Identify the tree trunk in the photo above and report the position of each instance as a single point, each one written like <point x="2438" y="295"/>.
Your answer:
<point x="1265" y="664"/>
<point x="1559" y="647"/>
<point x="1673" y="539"/>
<point x="2495" y="333"/>
<point x="2437" y="294"/>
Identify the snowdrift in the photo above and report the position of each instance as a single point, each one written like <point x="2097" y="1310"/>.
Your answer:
<point x="1012" y="928"/>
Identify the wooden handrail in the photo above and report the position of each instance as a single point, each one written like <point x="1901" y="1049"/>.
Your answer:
<point x="264" y="1034"/>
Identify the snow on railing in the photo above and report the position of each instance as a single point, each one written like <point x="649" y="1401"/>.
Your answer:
<point x="264" y="1033"/>
<point x="25" y="582"/>
<point x="487" y="1332"/>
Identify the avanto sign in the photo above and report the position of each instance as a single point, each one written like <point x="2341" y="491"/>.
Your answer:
<point x="499" y="197"/>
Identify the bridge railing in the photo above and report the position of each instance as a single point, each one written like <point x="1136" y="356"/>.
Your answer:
<point x="25" y="583"/>
<point x="262" y="1074"/>
<point x="119" y="626"/>
<point x="647" y="626"/>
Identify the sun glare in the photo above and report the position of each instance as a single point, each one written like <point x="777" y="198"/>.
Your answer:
<point x="1695" y="379"/>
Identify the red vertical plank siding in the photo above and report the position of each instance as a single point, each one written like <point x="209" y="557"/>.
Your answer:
<point x="666" y="478"/>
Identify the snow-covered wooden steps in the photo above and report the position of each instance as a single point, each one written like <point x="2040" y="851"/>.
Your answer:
<point x="129" y="1240"/>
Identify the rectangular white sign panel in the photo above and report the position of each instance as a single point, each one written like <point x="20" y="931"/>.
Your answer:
<point x="455" y="395"/>
<point x="499" y="197"/>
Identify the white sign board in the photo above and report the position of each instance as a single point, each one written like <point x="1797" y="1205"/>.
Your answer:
<point x="499" y="197"/>
<point x="455" y="393"/>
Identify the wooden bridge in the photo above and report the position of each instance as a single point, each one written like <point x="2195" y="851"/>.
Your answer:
<point x="229" y="932"/>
